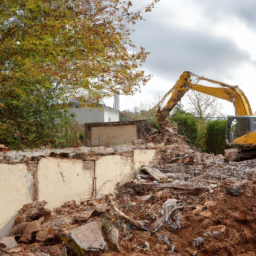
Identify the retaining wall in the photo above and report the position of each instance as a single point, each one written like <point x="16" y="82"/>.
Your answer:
<point x="61" y="175"/>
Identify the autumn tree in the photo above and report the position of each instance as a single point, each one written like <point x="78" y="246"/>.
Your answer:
<point x="51" y="50"/>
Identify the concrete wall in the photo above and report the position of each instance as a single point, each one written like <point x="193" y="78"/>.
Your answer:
<point x="45" y="175"/>
<point x="111" y="170"/>
<point x="92" y="115"/>
<point x="63" y="180"/>
<point x="113" y="135"/>
<point x="15" y="188"/>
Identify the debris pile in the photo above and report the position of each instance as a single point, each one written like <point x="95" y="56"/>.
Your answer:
<point x="187" y="203"/>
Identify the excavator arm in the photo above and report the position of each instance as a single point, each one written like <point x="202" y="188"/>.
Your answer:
<point x="224" y="91"/>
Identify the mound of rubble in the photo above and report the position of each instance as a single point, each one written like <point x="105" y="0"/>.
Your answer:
<point x="187" y="203"/>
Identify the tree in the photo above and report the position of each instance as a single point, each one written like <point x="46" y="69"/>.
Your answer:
<point x="50" y="50"/>
<point x="202" y="105"/>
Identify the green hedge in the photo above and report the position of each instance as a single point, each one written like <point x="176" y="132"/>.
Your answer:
<point x="215" y="136"/>
<point x="186" y="125"/>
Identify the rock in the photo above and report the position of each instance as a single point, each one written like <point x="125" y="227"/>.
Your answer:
<point x="206" y="214"/>
<point x="32" y="211"/>
<point x="198" y="241"/>
<point x="214" y="231"/>
<point x="163" y="238"/>
<point x="15" y="249"/>
<point x="142" y="181"/>
<point x="234" y="191"/>
<point x="146" y="246"/>
<point x="113" y="238"/>
<point x="191" y="251"/>
<point x="83" y="216"/>
<point x="87" y="237"/>
<point x="8" y="242"/>
<point x="54" y="227"/>
<point x="26" y="230"/>
<point x="145" y="198"/>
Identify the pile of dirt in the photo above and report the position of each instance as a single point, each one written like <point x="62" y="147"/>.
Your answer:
<point x="187" y="203"/>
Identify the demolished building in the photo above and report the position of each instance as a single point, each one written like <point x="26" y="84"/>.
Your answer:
<point x="156" y="196"/>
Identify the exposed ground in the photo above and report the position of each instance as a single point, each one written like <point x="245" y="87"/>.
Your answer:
<point x="188" y="203"/>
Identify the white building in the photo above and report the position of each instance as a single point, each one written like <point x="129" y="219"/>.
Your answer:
<point x="93" y="115"/>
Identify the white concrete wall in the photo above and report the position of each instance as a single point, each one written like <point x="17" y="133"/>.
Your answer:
<point x="63" y="180"/>
<point x="15" y="184"/>
<point x="111" y="170"/>
<point x="143" y="157"/>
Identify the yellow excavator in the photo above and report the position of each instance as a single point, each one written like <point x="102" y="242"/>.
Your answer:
<point x="241" y="128"/>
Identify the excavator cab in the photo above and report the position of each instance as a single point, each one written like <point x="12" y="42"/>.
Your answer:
<point x="238" y="126"/>
<point x="241" y="138"/>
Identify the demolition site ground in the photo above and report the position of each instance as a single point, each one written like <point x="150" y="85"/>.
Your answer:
<point x="186" y="203"/>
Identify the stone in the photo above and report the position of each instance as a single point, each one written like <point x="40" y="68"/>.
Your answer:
<point x="113" y="238"/>
<point x="54" y="227"/>
<point x="206" y="214"/>
<point x="234" y="191"/>
<point x="89" y="237"/>
<point x="26" y="230"/>
<point x="191" y="251"/>
<point x="145" y="198"/>
<point x="214" y="231"/>
<point x="7" y="243"/>
<point x="15" y="249"/>
<point x="198" y="241"/>
<point x="34" y="211"/>
<point x="163" y="238"/>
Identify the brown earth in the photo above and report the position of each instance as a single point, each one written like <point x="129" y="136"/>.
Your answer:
<point x="200" y="205"/>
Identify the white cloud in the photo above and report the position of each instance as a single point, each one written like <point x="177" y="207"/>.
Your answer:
<point x="215" y="39"/>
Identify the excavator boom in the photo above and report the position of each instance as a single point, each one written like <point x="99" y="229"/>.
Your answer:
<point x="224" y="91"/>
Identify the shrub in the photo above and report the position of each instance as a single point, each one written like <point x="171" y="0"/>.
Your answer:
<point x="186" y="125"/>
<point x="215" y="136"/>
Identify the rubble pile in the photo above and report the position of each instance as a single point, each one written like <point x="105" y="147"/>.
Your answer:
<point x="187" y="203"/>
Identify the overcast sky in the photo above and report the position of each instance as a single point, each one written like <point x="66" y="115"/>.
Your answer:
<point x="215" y="39"/>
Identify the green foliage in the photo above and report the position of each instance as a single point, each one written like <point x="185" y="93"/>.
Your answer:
<point x="52" y="50"/>
<point x="39" y="126"/>
<point x="215" y="136"/>
<point x="201" y="126"/>
<point x="154" y="123"/>
<point x="186" y="125"/>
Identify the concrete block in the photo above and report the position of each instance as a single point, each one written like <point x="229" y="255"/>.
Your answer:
<point x="14" y="193"/>
<point x="113" y="135"/>
<point x="143" y="157"/>
<point x="61" y="180"/>
<point x="111" y="170"/>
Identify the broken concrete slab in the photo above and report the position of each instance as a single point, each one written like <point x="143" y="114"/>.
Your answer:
<point x="26" y="230"/>
<point x="89" y="237"/>
<point x="57" y="224"/>
<point x="154" y="172"/>
<point x="7" y="243"/>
